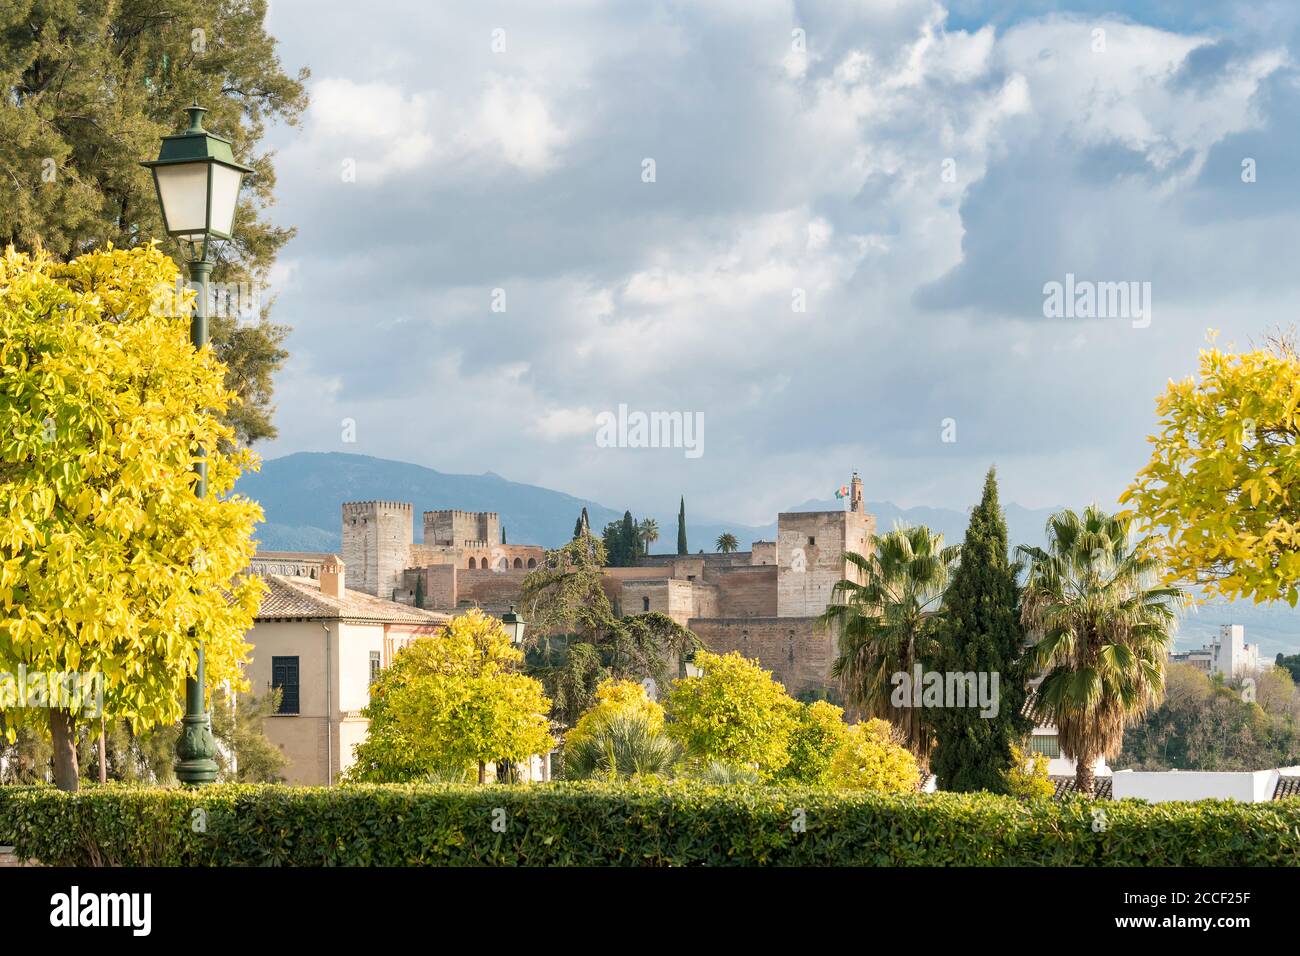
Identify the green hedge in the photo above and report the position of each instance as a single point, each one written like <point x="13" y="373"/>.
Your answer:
<point x="598" y="824"/>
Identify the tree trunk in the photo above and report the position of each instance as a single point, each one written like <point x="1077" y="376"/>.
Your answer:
<point x="64" y="737"/>
<point x="482" y="772"/>
<point x="103" y="754"/>
<point x="1084" y="779"/>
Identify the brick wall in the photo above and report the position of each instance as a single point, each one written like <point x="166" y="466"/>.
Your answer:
<point x="745" y="592"/>
<point x="440" y="586"/>
<point x="492" y="589"/>
<point x="797" y="652"/>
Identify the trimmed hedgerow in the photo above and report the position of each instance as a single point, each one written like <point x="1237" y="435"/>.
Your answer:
<point x="669" y="824"/>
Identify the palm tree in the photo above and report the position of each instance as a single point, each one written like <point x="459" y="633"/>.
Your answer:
<point x="884" y="617"/>
<point x="1104" y="623"/>
<point x="727" y="543"/>
<point x="621" y="747"/>
<point x="649" y="531"/>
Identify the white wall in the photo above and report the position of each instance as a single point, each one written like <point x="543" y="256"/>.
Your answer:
<point x="1163" y="786"/>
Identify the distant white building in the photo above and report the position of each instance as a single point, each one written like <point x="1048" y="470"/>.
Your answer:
<point x="1162" y="786"/>
<point x="1228" y="654"/>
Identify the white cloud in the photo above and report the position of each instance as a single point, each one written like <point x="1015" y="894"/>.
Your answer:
<point x="778" y="171"/>
<point x="387" y="130"/>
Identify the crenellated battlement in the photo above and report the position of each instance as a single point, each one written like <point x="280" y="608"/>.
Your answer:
<point x="368" y="507"/>
<point x="450" y="527"/>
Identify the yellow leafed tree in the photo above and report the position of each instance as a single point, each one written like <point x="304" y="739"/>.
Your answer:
<point x="109" y="564"/>
<point x="616" y="698"/>
<point x="1223" y="483"/>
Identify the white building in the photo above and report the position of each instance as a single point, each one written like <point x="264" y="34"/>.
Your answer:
<point x="322" y="644"/>
<point x="1228" y="654"/>
<point x="1162" y="786"/>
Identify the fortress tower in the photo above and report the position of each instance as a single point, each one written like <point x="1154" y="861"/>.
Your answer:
<point x="457" y="529"/>
<point x="810" y="549"/>
<point x="377" y="540"/>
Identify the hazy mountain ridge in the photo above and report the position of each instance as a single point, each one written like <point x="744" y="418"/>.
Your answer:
<point x="301" y="495"/>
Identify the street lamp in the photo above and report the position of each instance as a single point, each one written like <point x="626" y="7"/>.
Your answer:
<point x="198" y="181"/>
<point x="514" y="626"/>
<point x="690" y="667"/>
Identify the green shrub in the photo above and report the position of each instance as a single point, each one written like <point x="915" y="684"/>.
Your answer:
<point x="1027" y="777"/>
<point x="620" y="747"/>
<point x="657" y="824"/>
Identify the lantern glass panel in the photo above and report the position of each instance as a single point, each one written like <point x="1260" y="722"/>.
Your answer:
<point x="183" y="189"/>
<point x="225" y="196"/>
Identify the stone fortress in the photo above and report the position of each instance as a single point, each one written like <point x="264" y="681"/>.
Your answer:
<point x="763" y="602"/>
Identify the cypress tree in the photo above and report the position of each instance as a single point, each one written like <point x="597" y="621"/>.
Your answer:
<point x="979" y="630"/>
<point x="681" y="528"/>
<point x="419" y="591"/>
<point x="582" y="525"/>
<point x="629" y="540"/>
<point x="503" y="534"/>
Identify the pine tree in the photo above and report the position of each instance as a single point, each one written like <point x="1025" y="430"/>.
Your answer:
<point x="980" y="632"/>
<point x="681" y="528"/>
<point x="89" y="89"/>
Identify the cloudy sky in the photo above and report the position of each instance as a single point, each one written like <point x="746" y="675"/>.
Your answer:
<point x="915" y="172"/>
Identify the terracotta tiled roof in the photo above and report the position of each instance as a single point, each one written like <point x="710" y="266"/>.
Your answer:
<point x="1287" y="787"/>
<point x="287" y="598"/>
<point x="1065" y="787"/>
<point x="1032" y="708"/>
<point x="291" y="555"/>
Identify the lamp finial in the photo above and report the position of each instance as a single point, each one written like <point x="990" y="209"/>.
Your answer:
<point x="196" y="117"/>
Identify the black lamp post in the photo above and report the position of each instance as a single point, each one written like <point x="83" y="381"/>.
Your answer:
<point x="514" y="625"/>
<point x="198" y="182"/>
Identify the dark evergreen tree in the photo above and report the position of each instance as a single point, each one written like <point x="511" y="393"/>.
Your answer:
<point x="612" y="538"/>
<point x="582" y="525"/>
<point x="622" y="540"/>
<point x="681" y="528"/>
<point x="630" y="538"/>
<point x="503" y="534"/>
<point x="419" y="591"/>
<point x="980" y="631"/>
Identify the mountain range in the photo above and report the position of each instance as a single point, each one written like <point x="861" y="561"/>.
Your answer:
<point x="301" y="496"/>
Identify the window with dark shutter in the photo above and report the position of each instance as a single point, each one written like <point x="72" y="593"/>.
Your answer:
<point x="284" y="675"/>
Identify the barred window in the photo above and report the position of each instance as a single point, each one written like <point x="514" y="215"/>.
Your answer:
<point x="284" y="675"/>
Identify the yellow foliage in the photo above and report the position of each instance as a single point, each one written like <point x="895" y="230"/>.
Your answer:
<point x="1223" y="481"/>
<point x="451" y="700"/>
<point x="870" y="759"/>
<point x="616" y="698"/>
<point x="734" y="713"/>
<point x="108" y="561"/>
<point x="1027" y="776"/>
